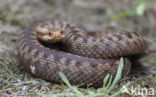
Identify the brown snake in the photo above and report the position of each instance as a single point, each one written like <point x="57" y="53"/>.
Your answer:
<point x="83" y="58"/>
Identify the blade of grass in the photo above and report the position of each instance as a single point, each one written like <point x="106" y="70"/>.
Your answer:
<point x="109" y="83"/>
<point x="74" y="89"/>
<point x="105" y="80"/>
<point x="118" y="75"/>
<point x="65" y="79"/>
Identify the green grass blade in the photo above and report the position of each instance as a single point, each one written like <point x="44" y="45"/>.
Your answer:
<point x="65" y="79"/>
<point x="118" y="75"/>
<point x="109" y="83"/>
<point x="74" y="89"/>
<point x="105" y="80"/>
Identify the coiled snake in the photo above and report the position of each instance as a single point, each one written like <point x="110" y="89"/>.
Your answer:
<point x="83" y="58"/>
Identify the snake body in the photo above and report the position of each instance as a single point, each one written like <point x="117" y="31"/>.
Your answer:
<point x="85" y="59"/>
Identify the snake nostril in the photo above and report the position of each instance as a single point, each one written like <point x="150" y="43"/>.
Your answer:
<point x="49" y="34"/>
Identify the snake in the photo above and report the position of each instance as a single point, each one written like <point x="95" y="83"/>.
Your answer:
<point x="48" y="47"/>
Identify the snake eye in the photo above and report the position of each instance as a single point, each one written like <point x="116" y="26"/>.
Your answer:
<point x="61" y="32"/>
<point x="49" y="34"/>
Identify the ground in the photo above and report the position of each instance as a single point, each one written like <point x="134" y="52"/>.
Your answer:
<point x="105" y="15"/>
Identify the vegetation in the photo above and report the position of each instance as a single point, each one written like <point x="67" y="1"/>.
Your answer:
<point x="105" y="91"/>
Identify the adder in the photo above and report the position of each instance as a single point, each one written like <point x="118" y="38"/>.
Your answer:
<point x="48" y="47"/>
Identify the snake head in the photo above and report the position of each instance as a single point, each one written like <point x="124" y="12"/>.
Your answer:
<point x="50" y="33"/>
